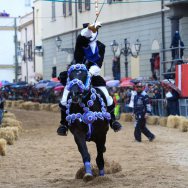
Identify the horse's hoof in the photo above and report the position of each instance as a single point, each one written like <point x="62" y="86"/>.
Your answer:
<point x="101" y="172"/>
<point x="87" y="177"/>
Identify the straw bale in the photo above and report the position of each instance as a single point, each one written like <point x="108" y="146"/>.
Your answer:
<point x="3" y="144"/>
<point x="18" y="103"/>
<point x="54" y="108"/>
<point x="126" y="117"/>
<point x="36" y="106"/>
<point x="45" y="107"/>
<point x="8" y="122"/>
<point x="8" y="104"/>
<point x="15" y="131"/>
<point x="8" y="135"/>
<point x="183" y="126"/>
<point x="152" y="120"/>
<point x="27" y="105"/>
<point x="163" y="121"/>
<point x="9" y="115"/>
<point x="172" y="121"/>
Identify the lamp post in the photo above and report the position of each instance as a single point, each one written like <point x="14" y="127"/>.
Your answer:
<point x="116" y="60"/>
<point x="126" y="51"/>
<point x="58" y="41"/>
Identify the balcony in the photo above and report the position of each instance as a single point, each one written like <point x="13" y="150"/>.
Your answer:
<point x="178" y="8"/>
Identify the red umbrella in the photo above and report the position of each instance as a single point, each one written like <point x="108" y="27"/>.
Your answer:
<point x="55" y="79"/>
<point x="59" y="88"/>
<point x="126" y="83"/>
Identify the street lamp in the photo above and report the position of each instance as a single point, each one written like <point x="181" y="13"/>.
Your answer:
<point x="126" y="51"/>
<point x="116" y="60"/>
<point x="58" y="41"/>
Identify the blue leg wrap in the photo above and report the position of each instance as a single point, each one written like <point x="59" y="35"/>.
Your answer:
<point x="101" y="172"/>
<point x="88" y="167"/>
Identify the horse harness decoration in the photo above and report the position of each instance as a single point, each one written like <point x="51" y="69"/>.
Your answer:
<point x="88" y="117"/>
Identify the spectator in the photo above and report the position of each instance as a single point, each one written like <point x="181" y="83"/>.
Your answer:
<point x="2" y="100"/>
<point x="177" y="53"/>
<point x="172" y="97"/>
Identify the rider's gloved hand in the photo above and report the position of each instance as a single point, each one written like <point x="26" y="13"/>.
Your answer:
<point x="94" y="27"/>
<point x="94" y="70"/>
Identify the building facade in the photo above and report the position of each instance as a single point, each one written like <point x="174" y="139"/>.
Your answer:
<point x="120" y="21"/>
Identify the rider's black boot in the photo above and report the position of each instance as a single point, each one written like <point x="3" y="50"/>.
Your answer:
<point x="63" y="127"/>
<point x="115" y="125"/>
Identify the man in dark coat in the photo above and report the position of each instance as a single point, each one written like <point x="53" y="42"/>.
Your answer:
<point x="89" y="51"/>
<point x="141" y="109"/>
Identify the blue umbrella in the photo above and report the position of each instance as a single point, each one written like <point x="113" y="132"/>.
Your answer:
<point x="52" y="84"/>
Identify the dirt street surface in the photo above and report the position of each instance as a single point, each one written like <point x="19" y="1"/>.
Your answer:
<point x="41" y="158"/>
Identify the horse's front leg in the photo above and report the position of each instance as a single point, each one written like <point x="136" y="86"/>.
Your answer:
<point x="100" y="144"/>
<point x="80" y="139"/>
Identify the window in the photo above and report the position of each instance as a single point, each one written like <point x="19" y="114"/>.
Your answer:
<point x="29" y="44"/>
<point x="53" y="12"/>
<point x="87" y="4"/>
<point x="54" y="72"/>
<point x="67" y="8"/>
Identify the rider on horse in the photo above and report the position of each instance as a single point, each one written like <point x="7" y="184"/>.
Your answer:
<point x="90" y="51"/>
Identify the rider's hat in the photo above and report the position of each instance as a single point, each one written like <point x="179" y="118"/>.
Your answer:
<point x="85" y="25"/>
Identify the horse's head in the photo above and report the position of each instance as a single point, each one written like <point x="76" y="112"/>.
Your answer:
<point x="78" y="81"/>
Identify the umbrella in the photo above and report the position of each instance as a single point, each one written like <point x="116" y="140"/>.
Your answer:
<point x="5" y="83"/>
<point x="41" y="84"/>
<point x="170" y="84"/>
<point x="52" y="84"/>
<point x="126" y="83"/>
<point x="59" y="88"/>
<point x="55" y="79"/>
<point x="113" y="83"/>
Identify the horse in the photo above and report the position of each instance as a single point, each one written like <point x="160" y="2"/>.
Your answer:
<point x="87" y="116"/>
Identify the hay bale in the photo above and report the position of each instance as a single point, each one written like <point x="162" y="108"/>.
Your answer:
<point x="183" y="126"/>
<point x="15" y="131"/>
<point x="163" y="121"/>
<point x="8" y="135"/>
<point x="54" y="108"/>
<point x="8" y="122"/>
<point x="45" y="107"/>
<point x="172" y="121"/>
<point x="126" y="117"/>
<point x="36" y="106"/>
<point x="27" y="105"/>
<point x="8" y="104"/>
<point x="3" y="144"/>
<point x="18" y="103"/>
<point x="9" y="115"/>
<point x="152" y="120"/>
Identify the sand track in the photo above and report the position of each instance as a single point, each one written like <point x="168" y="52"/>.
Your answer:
<point x="41" y="158"/>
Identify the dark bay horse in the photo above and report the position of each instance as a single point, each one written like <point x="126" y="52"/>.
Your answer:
<point x="87" y="116"/>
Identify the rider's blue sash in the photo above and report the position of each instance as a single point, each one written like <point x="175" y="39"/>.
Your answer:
<point x="90" y="56"/>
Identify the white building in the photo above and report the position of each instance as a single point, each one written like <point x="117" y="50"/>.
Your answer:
<point x="30" y="71"/>
<point x="123" y="20"/>
<point x="7" y="49"/>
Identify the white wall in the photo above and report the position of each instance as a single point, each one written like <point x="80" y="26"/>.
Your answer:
<point x="109" y="13"/>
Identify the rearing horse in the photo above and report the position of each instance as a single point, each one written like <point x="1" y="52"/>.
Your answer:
<point x="87" y="116"/>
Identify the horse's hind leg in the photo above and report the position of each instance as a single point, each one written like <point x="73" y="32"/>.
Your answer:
<point x="79" y="137"/>
<point x="100" y="143"/>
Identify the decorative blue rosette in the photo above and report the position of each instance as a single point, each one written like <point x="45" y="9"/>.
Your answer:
<point x="88" y="117"/>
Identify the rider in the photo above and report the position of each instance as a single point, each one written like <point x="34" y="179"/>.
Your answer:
<point x="90" y="51"/>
